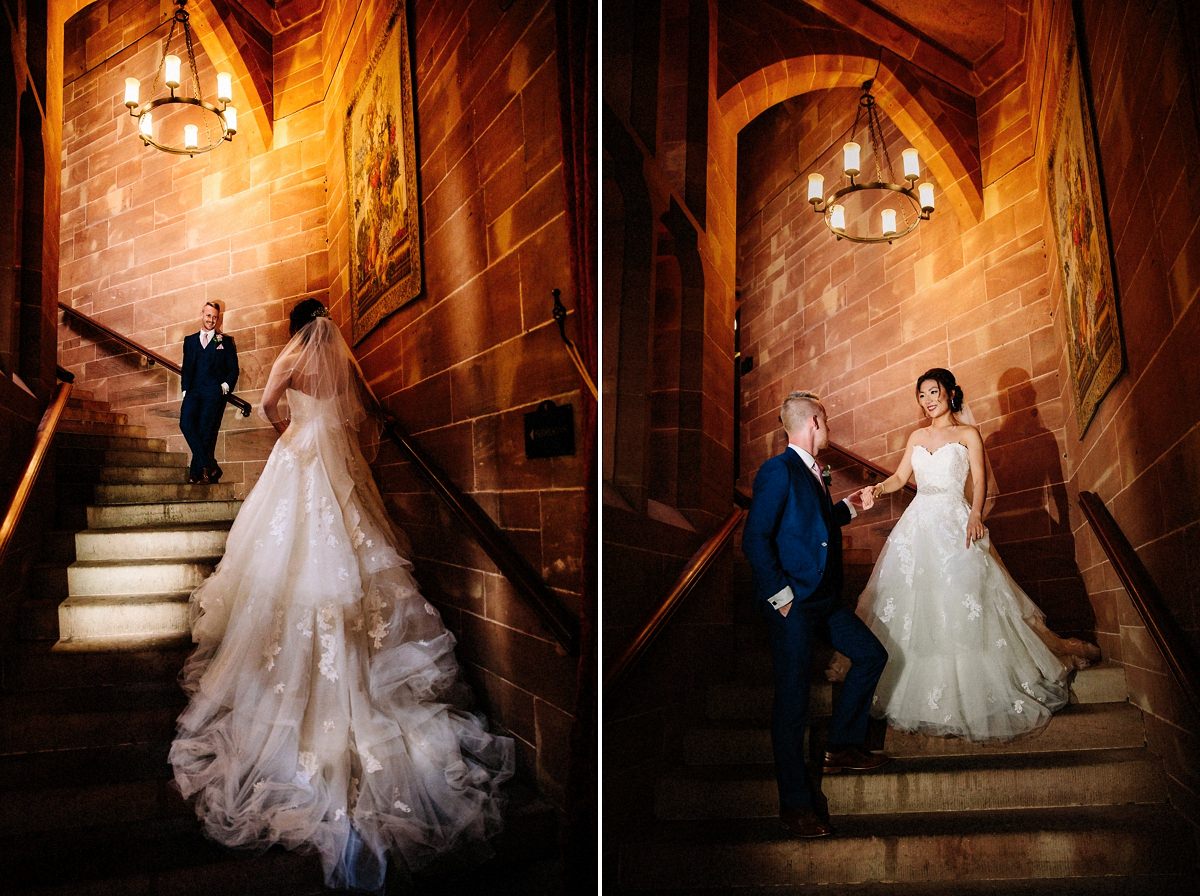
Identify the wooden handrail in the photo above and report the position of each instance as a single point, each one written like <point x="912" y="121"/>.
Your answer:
<point x="701" y="562"/>
<point x="150" y="354"/>
<point x="1145" y="596"/>
<point x="41" y="446"/>
<point x="561" y="623"/>
<point x="863" y="462"/>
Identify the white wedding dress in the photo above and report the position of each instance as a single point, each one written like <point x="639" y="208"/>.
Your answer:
<point x="964" y="654"/>
<point x="324" y="693"/>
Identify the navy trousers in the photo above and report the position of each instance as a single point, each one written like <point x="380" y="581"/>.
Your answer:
<point x="200" y="423"/>
<point x="791" y="649"/>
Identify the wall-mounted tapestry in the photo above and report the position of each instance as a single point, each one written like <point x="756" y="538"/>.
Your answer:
<point x="381" y="170"/>
<point x="1094" y="350"/>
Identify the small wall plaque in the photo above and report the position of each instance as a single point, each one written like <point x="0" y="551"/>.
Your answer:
<point x="550" y="430"/>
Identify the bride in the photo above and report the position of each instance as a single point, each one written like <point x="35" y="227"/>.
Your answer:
<point x="969" y="653"/>
<point x="324" y="696"/>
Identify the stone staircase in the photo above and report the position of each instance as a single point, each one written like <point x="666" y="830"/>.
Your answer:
<point x="1079" y="808"/>
<point x="86" y="719"/>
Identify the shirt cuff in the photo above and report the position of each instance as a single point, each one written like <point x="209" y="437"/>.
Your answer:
<point x="781" y="598"/>
<point x="853" y="512"/>
<point x="224" y="388"/>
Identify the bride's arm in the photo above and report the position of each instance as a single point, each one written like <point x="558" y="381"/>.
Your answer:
<point x="974" y="443"/>
<point x="277" y="385"/>
<point x="896" y="481"/>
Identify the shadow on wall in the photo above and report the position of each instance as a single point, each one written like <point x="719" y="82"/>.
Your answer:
<point x="1030" y="519"/>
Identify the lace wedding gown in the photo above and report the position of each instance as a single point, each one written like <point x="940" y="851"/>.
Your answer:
<point x="324" y="691"/>
<point x="965" y="656"/>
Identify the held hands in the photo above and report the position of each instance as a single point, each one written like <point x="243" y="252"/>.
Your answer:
<point x="864" y="498"/>
<point x="975" y="528"/>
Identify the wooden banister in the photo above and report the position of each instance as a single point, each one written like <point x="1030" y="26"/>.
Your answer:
<point x="1145" y="596"/>
<point x="148" y="353"/>
<point x="700" y="563"/>
<point x="870" y="465"/>
<point x="529" y="585"/>
<point x="41" y="446"/>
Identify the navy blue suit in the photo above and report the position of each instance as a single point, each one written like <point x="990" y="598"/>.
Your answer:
<point x="204" y="369"/>
<point x="793" y="537"/>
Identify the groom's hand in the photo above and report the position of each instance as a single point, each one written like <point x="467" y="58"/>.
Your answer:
<point x="864" y="498"/>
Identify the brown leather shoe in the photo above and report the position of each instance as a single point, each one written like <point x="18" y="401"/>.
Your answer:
<point x="804" y="823"/>
<point x="853" y="759"/>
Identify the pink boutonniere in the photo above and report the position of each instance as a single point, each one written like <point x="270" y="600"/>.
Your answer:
<point x="219" y="338"/>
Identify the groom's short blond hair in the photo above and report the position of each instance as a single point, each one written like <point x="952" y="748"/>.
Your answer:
<point x="797" y="407"/>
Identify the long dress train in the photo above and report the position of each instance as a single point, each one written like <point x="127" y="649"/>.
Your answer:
<point x="966" y="653"/>
<point x="324" y="693"/>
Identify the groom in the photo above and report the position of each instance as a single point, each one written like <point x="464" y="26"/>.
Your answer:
<point x="210" y="372"/>
<point x="793" y="540"/>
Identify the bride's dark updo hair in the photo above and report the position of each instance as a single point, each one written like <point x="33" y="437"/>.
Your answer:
<point x="945" y="379"/>
<point x="305" y="312"/>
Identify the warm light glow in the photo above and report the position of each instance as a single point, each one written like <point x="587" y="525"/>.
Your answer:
<point x="837" y="218"/>
<point x="816" y="187"/>
<point x="230" y="114"/>
<point x="131" y="92"/>
<point x="912" y="165"/>
<point x="925" y="192"/>
<point x="224" y="87"/>
<point x="889" y="221"/>
<point x="171" y="71"/>
<point x="850" y="156"/>
<point x="191" y="136"/>
<point x="145" y="125"/>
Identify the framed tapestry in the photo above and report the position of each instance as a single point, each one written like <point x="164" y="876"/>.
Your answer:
<point x="1094" y="351"/>
<point x="381" y="189"/>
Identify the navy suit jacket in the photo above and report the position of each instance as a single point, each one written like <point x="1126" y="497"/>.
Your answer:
<point x="793" y="533"/>
<point x="204" y="369"/>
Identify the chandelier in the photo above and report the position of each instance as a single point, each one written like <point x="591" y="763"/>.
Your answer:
<point x="173" y="123"/>
<point x="915" y="206"/>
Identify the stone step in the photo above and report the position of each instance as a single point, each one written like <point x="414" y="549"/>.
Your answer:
<point x="148" y="493"/>
<point x="124" y="473"/>
<point x="123" y="516"/>
<point x="98" y="622"/>
<point x="167" y="856"/>
<point x="43" y="665"/>
<point x="93" y="413"/>
<point x="120" y="579"/>
<point x="991" y="850"/>
<point x="150" y="857"/>
<point x="1102" y="683"/>
<point x="119" y="784"/>
<point x="1113" y="885"/>
<point x="107" y="442"/>
<point x="86" y="401"/>
<point x="88" y="460"/>
<point x="88" y="717"/>
<point x="102" y="428"/>
<point x="1095" y="726"/>
<point x="926" y="784"/>
<point x="145" y="542"/>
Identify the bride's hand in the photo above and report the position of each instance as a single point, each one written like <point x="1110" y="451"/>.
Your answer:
<point x="975" y="529"/>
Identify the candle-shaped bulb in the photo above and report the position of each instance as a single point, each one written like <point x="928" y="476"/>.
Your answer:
<point x="912" y="164"/>
<point x="837" y="218"/>
<point x="131" y="92"/>
<point x="850" y="156"/>
<point x="191" y="136"/>
<point x="889" y="221"/>
<point x="171" y="71"/>
<point x="224" y="87"/>
<point x="925" y="194"/>
<point x="816" y="188"/>
<point x="145" y="125"/>
<point x="230" y="114"/>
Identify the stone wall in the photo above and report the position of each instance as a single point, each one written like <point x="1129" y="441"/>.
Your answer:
<point x="1141" y="452"/>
